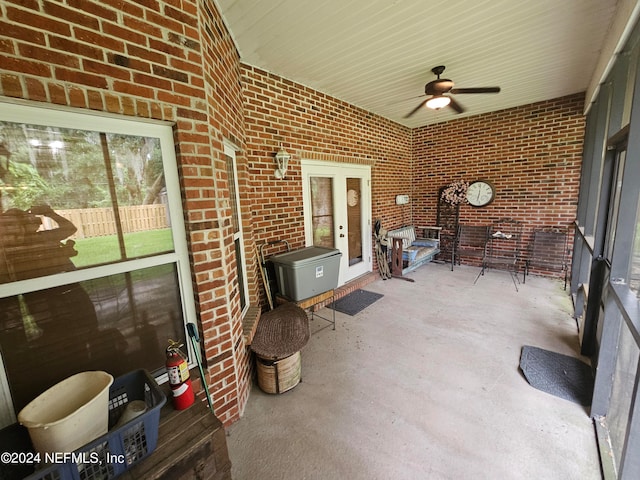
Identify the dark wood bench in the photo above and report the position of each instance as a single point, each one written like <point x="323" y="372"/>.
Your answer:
<point x="192" y="444"/>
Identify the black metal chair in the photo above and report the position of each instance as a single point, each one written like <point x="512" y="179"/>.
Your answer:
<point x="548" y="252"/>
<point x="470" y="242"/>
<point x="504" y="248"/>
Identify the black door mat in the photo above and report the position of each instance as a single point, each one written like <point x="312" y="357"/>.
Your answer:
<point x="355" y="302"/>
<point x="560" y="375"/>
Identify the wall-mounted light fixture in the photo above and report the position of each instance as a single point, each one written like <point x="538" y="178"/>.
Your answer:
<point x="402" y="199"/>
<point x="282" y="162"/>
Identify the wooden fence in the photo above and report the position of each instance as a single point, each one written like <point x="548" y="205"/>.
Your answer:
<point x="98" y="222"/>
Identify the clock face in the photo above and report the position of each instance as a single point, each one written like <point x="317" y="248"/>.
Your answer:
<point x="480" y="193"/>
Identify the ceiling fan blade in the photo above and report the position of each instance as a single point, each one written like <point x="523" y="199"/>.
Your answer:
<point x="456" y="106"/>
<point x="416" y="109"/>
<point x="476" y="90"/>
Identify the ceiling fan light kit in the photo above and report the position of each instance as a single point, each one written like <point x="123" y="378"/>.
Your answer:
<point x="437" y="102"/>
<point x="437" y="89"/>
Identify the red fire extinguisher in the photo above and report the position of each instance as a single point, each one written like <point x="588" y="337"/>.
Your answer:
<point x="178" y="371"/>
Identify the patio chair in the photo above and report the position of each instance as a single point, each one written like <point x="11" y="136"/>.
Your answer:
<point x="548" y="252"/>
<point x="470" y="242"/>
<point x="504" y="248"/>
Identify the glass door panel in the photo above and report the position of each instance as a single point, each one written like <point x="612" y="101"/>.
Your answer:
<point x="354" y="220"/>
<point x="322" y="211"/>
<point x="337" y="209"/>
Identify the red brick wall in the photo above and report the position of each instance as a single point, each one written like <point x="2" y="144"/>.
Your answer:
<point x="227" y="356"/>
<point x="532" y="154"/>
<point x="169" y="60"/>
<point x="312" y="125"/>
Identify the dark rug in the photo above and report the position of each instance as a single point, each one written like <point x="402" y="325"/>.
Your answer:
<point x="560" y="375"/>
<point x="355" y="302"/>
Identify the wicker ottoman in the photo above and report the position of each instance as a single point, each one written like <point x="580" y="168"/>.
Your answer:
<point x="280" y="335"/>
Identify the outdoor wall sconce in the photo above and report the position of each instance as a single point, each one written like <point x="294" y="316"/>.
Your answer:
<point x="282" y="162"/>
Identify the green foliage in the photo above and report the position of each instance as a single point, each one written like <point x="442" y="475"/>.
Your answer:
<point x="24" y="187"/>
<point x="68" y="168"/>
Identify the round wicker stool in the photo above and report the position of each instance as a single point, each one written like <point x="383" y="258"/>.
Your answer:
<point x="280" y="335"/>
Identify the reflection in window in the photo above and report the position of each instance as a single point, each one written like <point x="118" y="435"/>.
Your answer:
<point x="354" y="220"/>
<point x="115" y="323"/>
<point x="94" y="206"/>
<point x="82" y="198"/>
<point x="322" y="211"/>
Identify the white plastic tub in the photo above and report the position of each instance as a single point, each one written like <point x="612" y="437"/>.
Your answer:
<point x="70" y="414"/>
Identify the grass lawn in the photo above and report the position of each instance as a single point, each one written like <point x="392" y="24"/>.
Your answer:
<point x="98" y="250"/>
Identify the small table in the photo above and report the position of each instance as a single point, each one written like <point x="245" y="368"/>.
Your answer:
<point x="310" y="302"/>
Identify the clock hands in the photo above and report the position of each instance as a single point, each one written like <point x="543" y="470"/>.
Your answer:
<point x="480" y="193"/>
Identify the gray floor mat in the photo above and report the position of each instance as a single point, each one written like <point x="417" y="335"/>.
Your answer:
<point x="355" y="302"/>
<point x="560" y="375"/>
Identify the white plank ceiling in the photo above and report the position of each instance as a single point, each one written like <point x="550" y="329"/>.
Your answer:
<point x="378" y="54"/>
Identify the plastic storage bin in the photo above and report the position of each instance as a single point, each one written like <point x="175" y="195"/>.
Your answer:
<point x="307" y="272"/>
<point x="70" y="414"/>
<point x="122" y="447"/>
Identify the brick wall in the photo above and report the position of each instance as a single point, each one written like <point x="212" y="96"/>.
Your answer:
<point x="312" y="125"/>
<point x="227" y="356"/>
<point x="532" y="154"/>
<point x="168" y="60"/>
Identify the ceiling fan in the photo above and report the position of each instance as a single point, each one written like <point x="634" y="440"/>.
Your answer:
<point x="437" y="90"/>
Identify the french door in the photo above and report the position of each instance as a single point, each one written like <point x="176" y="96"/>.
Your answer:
<point x="337" y="213"/>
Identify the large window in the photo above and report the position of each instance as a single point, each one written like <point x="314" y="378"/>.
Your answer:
<point x="94" y="271"/>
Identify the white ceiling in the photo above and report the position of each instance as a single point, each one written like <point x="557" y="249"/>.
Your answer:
<point x="378" y="54"/>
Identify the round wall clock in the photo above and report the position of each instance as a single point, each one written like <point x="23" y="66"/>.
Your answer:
<point x="481" y="193"/>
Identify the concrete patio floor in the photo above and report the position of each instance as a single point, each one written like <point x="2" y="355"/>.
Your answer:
<point x="425" y="384"/>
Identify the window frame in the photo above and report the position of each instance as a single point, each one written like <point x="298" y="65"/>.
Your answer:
<point x="20" y="111"/>
<point x="238" y="236"/>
